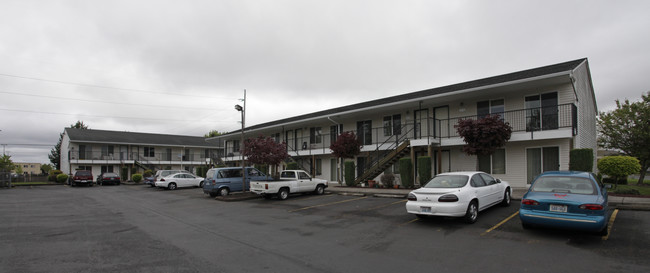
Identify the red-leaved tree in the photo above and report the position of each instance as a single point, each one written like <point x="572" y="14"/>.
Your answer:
<point x="485" y="135"/>
<point x="347" y="145"/>
<point x="265" y="151"/>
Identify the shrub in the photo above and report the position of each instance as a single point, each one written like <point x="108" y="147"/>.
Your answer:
<point x="615" y="181"/>
<point x="292" y="166"/>
<point x="627" y="191"/>
<point x="619" y="166"/>
<point x="136" y="177"/>
<point x="388" y="180"/>
<point x="406" y="172"/>
<point x="581" y="160"/>
<point x="53" y="174"/>
<point x="424" y="169"/>
<point x="61" y="178"/>
<point x="349" y="173"/>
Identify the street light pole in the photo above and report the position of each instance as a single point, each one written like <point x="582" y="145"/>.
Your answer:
<point x="241" y="144"/>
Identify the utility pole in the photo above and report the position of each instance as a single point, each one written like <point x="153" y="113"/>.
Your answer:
<point x="241" y="144"/>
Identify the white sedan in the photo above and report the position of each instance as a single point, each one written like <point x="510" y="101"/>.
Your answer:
<point x="177" y="180"/>
<point x="458" y="194"/>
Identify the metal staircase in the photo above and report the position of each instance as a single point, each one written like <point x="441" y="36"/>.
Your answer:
<point x="383" y="161"/>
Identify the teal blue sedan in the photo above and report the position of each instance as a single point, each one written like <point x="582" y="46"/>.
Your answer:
<point x="566" y="200"/>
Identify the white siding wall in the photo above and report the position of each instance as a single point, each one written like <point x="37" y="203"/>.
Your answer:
<point x="587" y="112"/>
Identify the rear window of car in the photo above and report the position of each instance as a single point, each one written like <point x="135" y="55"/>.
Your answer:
<point x="82" y="173"/>
<point x="447" y="181"/>
<point x="564" y="184"/>
<point x="110" y="175"/>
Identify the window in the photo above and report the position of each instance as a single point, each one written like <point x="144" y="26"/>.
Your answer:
<point x="303" y="176"/>
<point x="392" y="125"/>
<point x="319" y="166"/>
<point x="541" y="112"/>
<point x="276" y="137"/>
<point x="235" y="146"/>
<point x="335" y="130"/>
<point x="107" y="150"/>
<point x="494" y="107"/>
<point x="315" y="135"/>
<point x="477" y="181"/>
<point x="364" y="132"/>
<point x="107" y="169"/>
<point x="494" y="164"/>
<point x="539" y="160"/>
<point x="149" y="152"/>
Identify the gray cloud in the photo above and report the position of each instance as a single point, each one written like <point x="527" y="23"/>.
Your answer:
<point x="293" y="57"/>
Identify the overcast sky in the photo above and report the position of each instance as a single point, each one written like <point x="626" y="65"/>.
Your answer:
<point x="179" y="67"/>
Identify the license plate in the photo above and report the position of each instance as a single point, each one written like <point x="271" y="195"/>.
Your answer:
<point x="84" y="180"/>
<point x="558" y="208"/>
<point x="425" y="209"/>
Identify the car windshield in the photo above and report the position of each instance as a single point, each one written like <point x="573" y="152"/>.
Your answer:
<point x="564" y="184"/>
<point x="447" y="181"/>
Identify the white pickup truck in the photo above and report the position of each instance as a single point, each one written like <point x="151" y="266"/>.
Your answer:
<point x="291" y="181"/>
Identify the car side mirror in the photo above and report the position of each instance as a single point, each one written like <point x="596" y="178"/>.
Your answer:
<point x="498" y="180"/>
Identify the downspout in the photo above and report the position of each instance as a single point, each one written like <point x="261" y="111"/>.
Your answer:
<point x="339" y="168"/>
<point x="573" y="84"/>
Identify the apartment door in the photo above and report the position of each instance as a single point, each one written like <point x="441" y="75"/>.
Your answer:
<point x="421" y="123"/>
<point x="540" y="160"/>
<point x="333" y="168"/>
<point x="443" y="161"/>
<point x="361" y="165"/>
<point x="441" y="121"/>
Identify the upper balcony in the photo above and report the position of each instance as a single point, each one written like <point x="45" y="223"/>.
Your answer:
<point x="558" y="121"/>
<point x="96" y="157"/>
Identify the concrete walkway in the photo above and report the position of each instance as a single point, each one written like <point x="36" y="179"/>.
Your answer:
<point x="620" y="202"/>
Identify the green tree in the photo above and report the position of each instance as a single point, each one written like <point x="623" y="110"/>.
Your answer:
<point x="618" y="166"/>
<point x="213" y="133"/>
<point x="46" y="168"/>
<point x="627" y="128"/>
<point x="6" y="165"/>
<point x="55" y="153"/>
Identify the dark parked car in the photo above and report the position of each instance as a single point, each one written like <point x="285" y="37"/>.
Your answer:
<point x="82" y="178"/>
<point x="108" y="178"/>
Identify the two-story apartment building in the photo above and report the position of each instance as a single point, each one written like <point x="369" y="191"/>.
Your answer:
<point x="125" y="152"/>
<point x="551" y="110"/>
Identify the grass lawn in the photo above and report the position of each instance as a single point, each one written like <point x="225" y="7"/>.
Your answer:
<point x="631" y="184"/>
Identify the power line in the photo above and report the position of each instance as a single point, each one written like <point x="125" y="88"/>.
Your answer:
<point x="107" y="102"/>
<point x="96" y="116"/>
<point x="109" y="87"/>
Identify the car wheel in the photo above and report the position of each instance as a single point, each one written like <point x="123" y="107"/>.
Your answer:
<point x="212" y="194"/>
<point x="602" y="232"/>
<point x="472" y="213"/>
<point x="171" y="186"/>
<point x="223" y="192"/>
<point x="506" y="199"/>
<point x="118" y="183"/>
<point x="320" y="189"/>
<point x="201" y="184"/>
<point x="283" y="194"/>
<point x="152" y="185"/>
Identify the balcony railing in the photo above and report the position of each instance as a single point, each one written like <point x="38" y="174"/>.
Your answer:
<point x="158" y="157"/>
<point x="523" y="120"/>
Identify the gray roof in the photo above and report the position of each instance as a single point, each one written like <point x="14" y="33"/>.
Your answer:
<point x="521" y="75"/>
<point x="117" y="137"/>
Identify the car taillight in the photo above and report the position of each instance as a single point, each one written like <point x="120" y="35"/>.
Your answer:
<point x="266" y="186"/>
<point x="411" y="197"/>
<point x="448" y="198"/>
<point x="529" y="202"/>
<point x="591" y="207"/>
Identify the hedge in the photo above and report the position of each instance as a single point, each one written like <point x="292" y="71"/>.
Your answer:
<point x="406" y="172"/>
<point x="349" y="173"/>
<point x="581" y="160"/>
<point x="424" y="169"/>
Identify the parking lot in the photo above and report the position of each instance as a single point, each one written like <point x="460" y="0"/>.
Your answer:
<point x="137" y="228"/>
